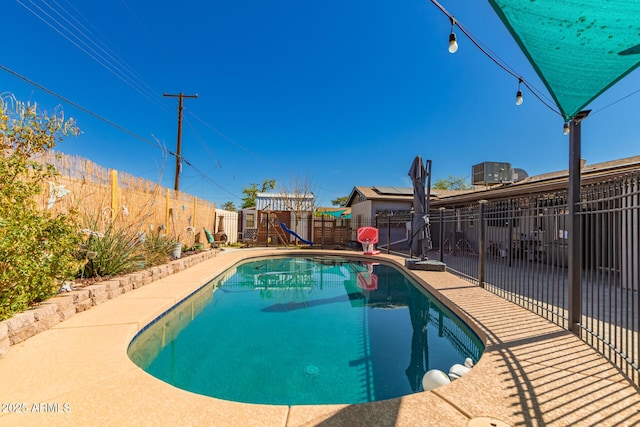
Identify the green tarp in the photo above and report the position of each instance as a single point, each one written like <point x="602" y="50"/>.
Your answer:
<point x="578" y="48"/>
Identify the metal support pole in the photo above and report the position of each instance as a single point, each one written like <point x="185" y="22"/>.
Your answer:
<point x="575" y="264"/>
<point x="389" y="233"/>
<point x="482" y="250"/>
<point x="511" y="219"/>
<point x="442" y="234"/>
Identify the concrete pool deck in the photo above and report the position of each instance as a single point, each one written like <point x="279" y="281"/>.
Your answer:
<point x="532" y="372"/>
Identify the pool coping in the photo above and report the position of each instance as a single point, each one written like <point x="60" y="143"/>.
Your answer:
<point x="531" y="373"/>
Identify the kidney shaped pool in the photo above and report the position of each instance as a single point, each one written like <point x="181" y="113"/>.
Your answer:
<point x="305" y="330"/>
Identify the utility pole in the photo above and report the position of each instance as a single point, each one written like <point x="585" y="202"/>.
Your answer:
<point x="180" y="97"/>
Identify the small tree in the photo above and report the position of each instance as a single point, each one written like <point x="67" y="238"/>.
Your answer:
<point x="297" y="195"/>
<point x="229" y="206"/>
<point x="340" y="201"/>
<point x="451" y="183"/>
<point x="251" y="192"/>
<point x="37" y="248"/>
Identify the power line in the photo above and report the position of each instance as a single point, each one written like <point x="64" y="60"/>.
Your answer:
<point x="155" y="144"/>
<point x="207" y="178"/>
<point x="83" y="39"/>
<point x="199" y="139"/>
<point x="615" y="102"/>
<point x="225" y="137"/>
<point x="86" y="110"/>
<point x="67" y="23"/>
<point x="73" y="30"/>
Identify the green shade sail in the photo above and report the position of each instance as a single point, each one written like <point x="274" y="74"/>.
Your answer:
<point x="337" y="214"/>
<point x="578" y="48"/>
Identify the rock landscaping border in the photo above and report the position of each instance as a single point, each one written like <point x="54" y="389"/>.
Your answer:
<point x="65" y="305"/>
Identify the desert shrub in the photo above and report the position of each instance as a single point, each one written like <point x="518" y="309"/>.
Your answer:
<point x="158" y="248"/>
<point x="111" y="247"/>
<point x="37" y="248"/>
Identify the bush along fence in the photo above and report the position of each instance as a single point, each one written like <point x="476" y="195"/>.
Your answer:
<point x="102" y="196"/>
<point x="63" y="218"/>
<point x="65" y="305"/>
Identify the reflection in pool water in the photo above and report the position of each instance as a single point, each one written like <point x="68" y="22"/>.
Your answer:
<point x="304" y="330"/>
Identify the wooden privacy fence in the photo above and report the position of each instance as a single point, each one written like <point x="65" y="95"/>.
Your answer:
<point x="103" y="196"/>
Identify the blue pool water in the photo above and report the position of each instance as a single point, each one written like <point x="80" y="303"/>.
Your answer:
<point x="305" y="330"/>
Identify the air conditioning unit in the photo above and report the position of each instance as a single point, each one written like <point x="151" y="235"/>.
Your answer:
<point x="518" y="174"/>
<point x="491" y="173"/>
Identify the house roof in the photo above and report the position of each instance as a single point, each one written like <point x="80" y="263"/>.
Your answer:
<point x="551" y="181"/>
<point x="285" y="195"/>
<point x="386" y="193"/>
<point x="285" y="202"/>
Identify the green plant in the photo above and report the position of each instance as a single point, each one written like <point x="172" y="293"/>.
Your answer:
<point x="451" y="183"/>
<point x="117" y="247"/>
<point x="157" y="248"/>
<point x="37" y="248"/>
<point x="251" y="192"/>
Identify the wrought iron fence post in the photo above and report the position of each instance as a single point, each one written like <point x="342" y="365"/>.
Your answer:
<point x="389" y="233"/>
<point x="482" y="250"/>
<point x="442" y="234"/>
<point x="511" y="218"/>
<point x="575" y="276"/>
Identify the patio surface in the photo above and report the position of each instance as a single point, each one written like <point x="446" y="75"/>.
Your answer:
<point x="532" y="372"/>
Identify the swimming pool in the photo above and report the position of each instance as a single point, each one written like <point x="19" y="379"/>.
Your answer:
<point x="304" y="330"/>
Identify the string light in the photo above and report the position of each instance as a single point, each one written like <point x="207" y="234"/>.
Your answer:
<point x="453" y="47"/>
<point x="519" y="99"/>
<point x="499" y="62"/>
<point x="453" y="44"/>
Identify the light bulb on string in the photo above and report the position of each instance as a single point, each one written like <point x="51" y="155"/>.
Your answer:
<point x="453" y="44"/>
<point x="519" y="99"/>
<point x="566" y="130"/>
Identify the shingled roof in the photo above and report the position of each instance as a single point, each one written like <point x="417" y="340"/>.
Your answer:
<point x="552" y="181"/>
<point x="545" y="182"/>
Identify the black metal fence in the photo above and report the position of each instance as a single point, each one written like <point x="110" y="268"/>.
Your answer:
<point x="518" y="249"/>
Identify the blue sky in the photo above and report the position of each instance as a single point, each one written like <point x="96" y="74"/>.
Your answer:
<point x="338" y="93"/>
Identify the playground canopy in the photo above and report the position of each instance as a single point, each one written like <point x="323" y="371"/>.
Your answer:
<point x="579" y="48"/>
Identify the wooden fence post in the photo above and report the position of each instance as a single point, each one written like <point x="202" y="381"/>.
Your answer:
<point x="114" y="193"/>
<point x="195" y="212"/>
<point x="166" y="213"/>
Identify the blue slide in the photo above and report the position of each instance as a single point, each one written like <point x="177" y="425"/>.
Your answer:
<point x="293" y="233"/>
